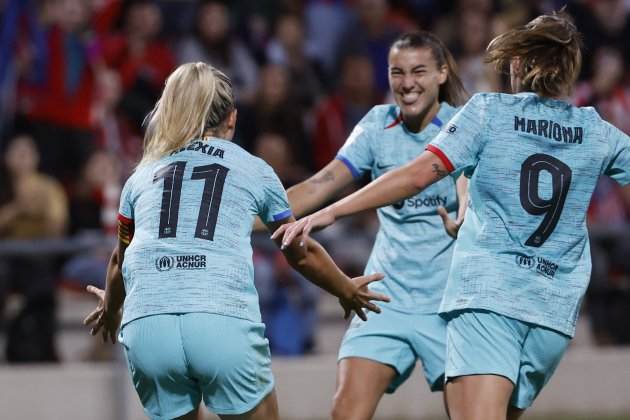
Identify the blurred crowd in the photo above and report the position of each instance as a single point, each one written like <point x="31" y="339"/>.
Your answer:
<point x="78" y="77"/>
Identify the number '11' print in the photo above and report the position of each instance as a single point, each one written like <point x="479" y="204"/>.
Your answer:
<point x="214" y="176"/>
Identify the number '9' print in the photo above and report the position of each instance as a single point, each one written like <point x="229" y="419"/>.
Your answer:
<point x="530" y="194"/>
<point x="173" y="175"/>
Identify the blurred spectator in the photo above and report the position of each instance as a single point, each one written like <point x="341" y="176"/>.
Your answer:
<point x="602" y="23"/>
<point x="605" y="89"/>
<point x="326" y="23"/>
<point x="372" y="34"/>
<point x="274" y="111"/>
<point x="253" y="22"/>
<point x="115" y="132"/>
<point x="32" y="206"/>
<point x="473" y="35"/>
<point x="276" y="151"/>
<point x="608" y="297"/>
<point x="93" y="211"/>
<point x="213" y="42"/>
<point x="140" y="57"/>
<point x="288" y="302"/>
<point x="336" y="115"/>
<point x="94" y="201"/>
<point x="287" y="49"/>
<point x="20" y="31"/>
<point x="58" y="87"/>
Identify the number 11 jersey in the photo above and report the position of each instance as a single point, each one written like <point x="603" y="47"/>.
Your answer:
<point x="193" y="213"/>
<point x="523" y="249"/>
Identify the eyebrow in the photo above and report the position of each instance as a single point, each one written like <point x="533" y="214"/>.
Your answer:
<point x="418" y="67"/>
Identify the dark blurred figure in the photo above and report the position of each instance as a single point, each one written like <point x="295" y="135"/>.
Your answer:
<point x="287" y="49"/>
<point x="32" y="206"/>
<point x="93" y="213"/>
<point x="372" y="34"/>
<point x="274" y="111"/>
<point x="608" y="297"/>
<point x="114" y="131"/>
<point x="602" y="23"/>
<point x="473" y="35"/>
<point x="276" y="150"/>
<point x="20" y="32"/>
<point x="325" y="24"/>
<point x="94" y="201"/>
<point x="142" y="59"/>
<point x="288" y="302"/>
<point x="605" y="89"/>
<point x="336" y="114"/>
<point x="214" y="43"/>
<point x="58" y="87"/>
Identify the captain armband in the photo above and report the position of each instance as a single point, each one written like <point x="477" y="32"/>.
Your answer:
<point x="125" y="229"/>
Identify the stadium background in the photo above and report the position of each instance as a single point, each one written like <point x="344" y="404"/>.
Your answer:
<point x="77" y="78"/>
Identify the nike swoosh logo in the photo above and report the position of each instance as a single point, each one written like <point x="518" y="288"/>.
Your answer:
<point x="379" y="166"/>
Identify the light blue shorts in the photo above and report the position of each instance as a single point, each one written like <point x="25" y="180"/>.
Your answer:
<point x="175" y="360"/>
<point x="399" y="339"/>
<point x="481" y="342"/>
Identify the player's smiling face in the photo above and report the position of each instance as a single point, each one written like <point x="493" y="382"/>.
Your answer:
<point x="415" y="79"/>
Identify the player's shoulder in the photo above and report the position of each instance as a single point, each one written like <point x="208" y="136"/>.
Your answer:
<point x="447" y="111"/>
<point x="381" y="117"/>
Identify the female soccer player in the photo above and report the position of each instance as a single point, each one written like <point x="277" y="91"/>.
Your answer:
<point x="522" y="261"/>
<point x="411" y="247"/>
<point x="191" y="325"/>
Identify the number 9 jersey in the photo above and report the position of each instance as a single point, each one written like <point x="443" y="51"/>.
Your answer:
<point x="192" y="215"/>
<point x="534" y="162"/>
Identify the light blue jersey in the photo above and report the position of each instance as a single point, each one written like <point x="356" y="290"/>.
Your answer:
<point x="411" y="249"/>
<point x="193" y="213"/>
<point x="523" y="249"/>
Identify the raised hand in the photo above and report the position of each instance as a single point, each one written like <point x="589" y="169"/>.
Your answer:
<point x="362" y="297"/>
<point x="109" y="323"/>
<point x="450" y="226"/>
<point x="304" y="227"/>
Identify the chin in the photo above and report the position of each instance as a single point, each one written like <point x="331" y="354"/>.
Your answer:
<point x="411" y="110"/>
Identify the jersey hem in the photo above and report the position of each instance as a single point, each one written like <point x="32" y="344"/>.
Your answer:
<point x="353" y="170"/>
<point x="130" y="319"/>
<point x="442" y="156"/>
<point x="448" y="311"/>
<point x="282" y="215"/>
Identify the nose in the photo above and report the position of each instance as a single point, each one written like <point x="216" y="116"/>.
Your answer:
<point x="408" y="82"/>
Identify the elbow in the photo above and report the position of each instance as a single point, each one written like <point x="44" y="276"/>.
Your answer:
<point x="416" y="180"/>
<point x="298" y="260"/>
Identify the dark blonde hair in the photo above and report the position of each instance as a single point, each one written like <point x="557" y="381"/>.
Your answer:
<point x="452" y="91"/>
<point x="197" y="98"/>
<point x="549" y="48"/>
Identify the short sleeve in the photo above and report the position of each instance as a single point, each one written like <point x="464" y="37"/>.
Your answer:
<point x="459" y="143"/>
<point x="618" y="167"/>
<point x="125" y="208"/>
<point x="275" y="205"/>
<point x="356" y="153"/>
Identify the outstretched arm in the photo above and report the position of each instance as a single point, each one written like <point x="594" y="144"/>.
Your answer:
<point x="107" y="315"/>
<point x="314" y="192"/>
<point x="315" y="264"/>
<point x="390" y="188"/>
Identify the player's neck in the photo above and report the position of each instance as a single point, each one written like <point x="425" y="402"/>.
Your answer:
<point x="419" y="122"/>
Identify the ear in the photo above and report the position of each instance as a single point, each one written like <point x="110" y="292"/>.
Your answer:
<point x="231" y="120"/>
<point x="443" y="76"/>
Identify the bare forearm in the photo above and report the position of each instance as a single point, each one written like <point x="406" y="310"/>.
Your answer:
<point x="115" y="287"/>
<point x="319" y="268"/>
<point x="311" y="194"/>
<point x="393" y="186"/>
